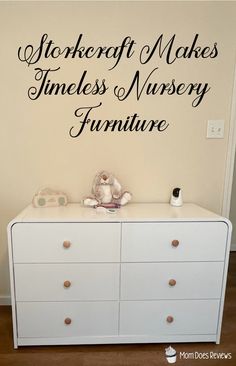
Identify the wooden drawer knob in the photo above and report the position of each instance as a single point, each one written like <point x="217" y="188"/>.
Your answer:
<point x="67" y="321"/>
<point x="67" y="284"/>
<point x="172" y="282"/>
<point x="66" y="244"/>
<point x="175" y="243"/>
<point x="170" y="319"/>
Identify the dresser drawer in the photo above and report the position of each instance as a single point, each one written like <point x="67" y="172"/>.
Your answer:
<point x="150" y="318"/>
<point x="47" y="319"/>
<point x="150" y="281"/>
<point x="66" y="242"/>
<point x="179" y="241"/>
<point x="67" y="282"/>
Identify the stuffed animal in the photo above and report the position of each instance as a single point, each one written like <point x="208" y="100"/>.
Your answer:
<point x="107" y="192"/>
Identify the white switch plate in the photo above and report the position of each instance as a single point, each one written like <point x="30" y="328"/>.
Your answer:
<point x="215" y="129"/>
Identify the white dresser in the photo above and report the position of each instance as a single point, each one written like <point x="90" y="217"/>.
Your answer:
<point x="147" y="273"/>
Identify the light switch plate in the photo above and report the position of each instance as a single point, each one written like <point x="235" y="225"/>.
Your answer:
<point x="215" y="129"/>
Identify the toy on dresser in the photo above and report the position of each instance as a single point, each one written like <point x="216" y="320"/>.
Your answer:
<point x="48" y="197"/>
<point x="107" y="192"/>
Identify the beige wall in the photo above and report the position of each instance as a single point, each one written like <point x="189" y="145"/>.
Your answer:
<point x="232" y="215"/>
<point x="35" y="146"/>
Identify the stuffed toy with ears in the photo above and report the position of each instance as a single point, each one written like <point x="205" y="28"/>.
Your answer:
<point x="106" y="191"/>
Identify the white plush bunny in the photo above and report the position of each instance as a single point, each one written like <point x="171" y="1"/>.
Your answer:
<point x="107" y="190"/>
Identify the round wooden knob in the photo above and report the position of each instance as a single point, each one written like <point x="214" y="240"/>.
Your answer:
<point x="175" y="243"/>
<point x="67" y="321"/>
<point x="67" y="284"/>
<point x="170" y="319"/>
<point x="172" y="282"/>
<point x="66" y="244"/>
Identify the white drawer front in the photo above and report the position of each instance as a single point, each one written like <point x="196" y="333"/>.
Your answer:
<point x="47" y="319"/>
<point x="144" y="242"/>
<point x="150" y="281"/>
<point x="67" y="282"/>
<point x="43" y="242"/>
<point x="150" y="318"/>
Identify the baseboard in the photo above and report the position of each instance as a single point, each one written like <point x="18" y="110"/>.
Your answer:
<point x="5" y="300"/>
<point x="233" y="247"/>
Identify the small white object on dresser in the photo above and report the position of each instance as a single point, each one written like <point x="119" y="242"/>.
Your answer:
<point x="147" y="273"/>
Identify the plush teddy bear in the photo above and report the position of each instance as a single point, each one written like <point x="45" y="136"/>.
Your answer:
<point x="107" y="191"/>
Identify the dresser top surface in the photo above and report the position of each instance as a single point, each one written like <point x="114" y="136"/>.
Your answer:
<point x="138" y="212"/>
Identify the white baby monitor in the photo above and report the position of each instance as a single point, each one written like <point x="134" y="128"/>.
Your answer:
<point x="176" y="197"/>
